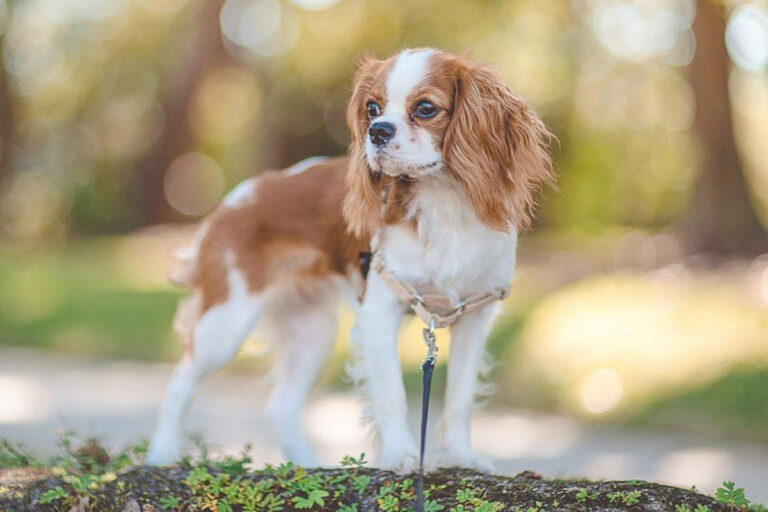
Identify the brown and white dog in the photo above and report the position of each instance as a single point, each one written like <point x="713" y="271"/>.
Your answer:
<point x="462" y="158"/>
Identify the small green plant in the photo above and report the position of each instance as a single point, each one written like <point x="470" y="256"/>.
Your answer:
<point x="170" y="502"/>
<point x="731" y="495"/>
<point x="388" y="503"/>
<point x="348" y="461"/>
<point x="234" y="466"/>
<point x="471" y="499"/>
<point x="314" y="497"/>
<point x="582" y="495"/>
<point x="432" y="506"/>
<point x="625" y="497"/>
<point x="15" y="455"/>
<point x="54" y="494"/>
<point x="360" y="483"/>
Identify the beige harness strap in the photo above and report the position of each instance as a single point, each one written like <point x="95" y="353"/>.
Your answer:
<point x="436" y="310"/>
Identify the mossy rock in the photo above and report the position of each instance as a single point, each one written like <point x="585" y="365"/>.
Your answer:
<point x="360" y="489"/>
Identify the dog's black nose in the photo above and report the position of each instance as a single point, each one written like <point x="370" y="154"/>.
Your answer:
<point x="381" y="133"/>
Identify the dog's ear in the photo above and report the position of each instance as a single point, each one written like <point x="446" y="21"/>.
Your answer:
<point x="496" y="147"/>
<point x="361" y="207"/>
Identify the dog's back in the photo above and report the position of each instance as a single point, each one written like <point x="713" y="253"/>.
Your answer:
<point x="281" y="229"/>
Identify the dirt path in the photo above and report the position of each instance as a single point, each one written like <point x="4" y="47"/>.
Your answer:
<point x="41" y="392"/>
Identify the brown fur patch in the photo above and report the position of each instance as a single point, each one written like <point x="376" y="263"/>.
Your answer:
<point x="291" y="229"/>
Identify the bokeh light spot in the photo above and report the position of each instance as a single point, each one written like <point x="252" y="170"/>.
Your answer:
<point x="226" y="105"/>
<point x="746" y="37"/>
<point x="193" y="183"/>
<point x="23" y="401"/>
<point x="601" y="390"/>
<point x="636" y="31"/>
<point x="261" y="27"/>
<point x="314" y="5"/>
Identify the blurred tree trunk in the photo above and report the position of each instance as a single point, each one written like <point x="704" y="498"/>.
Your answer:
<point x="205" y="52"/>
<point x="7" y="116"/>
<point x="720" y="218"/>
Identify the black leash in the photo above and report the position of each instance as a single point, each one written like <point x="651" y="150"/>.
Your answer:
<point x="427" y="368"/>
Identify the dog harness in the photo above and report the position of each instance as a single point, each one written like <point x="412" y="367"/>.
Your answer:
<point x="434" y="309"/>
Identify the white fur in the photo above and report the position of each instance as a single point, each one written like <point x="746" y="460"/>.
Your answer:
<point x="245" y="191"/>
<point x="409" y="70"/>
<point x="412" y="150"/>
<point x="303" y="336"/>
<point x="378" y="323"/>
<point x="303" y="165"/>
<point x="466" y="363"/>
<point x="217" y="337"/>
<point x="452" y="253"/>
<point x="241" y="194"/>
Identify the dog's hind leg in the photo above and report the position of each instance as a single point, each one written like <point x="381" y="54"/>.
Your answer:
<point x="214" y="337"/>
<point x="303" y="333"/>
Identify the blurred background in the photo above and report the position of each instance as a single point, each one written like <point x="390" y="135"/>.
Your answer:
<point x="635" y="342"/>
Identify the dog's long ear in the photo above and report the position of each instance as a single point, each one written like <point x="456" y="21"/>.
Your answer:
<point x="361" y="207"/>
<point x="496" y="147"/>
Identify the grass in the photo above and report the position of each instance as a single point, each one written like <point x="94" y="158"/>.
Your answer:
<point x="84" y="299"/>
<point x="736" y="404"/>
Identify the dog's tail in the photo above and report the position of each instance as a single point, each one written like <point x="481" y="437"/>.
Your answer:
<point x="183" y="267"/>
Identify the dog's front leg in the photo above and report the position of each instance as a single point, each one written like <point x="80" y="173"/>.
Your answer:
<point x="466" y="359"/>
<point x="377" y="328"/>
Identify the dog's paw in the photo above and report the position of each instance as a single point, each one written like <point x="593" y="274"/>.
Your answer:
<point x="401" y="461"/>
<point x="464" y="458"/>
<point x="163" y="452"/>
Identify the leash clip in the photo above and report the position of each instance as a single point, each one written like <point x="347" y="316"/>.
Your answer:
<point x="428" y="333"/>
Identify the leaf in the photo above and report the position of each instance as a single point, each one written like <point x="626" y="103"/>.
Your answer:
<point x="54" y="494"/>
<point x="313" y="498"/>
<point x="432" y="506"/>
<point x="360" y="483"/>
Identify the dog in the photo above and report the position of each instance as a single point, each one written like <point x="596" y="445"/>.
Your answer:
<point x="443" y="171"/>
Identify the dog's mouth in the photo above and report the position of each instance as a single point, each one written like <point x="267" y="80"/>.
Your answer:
<point x="385" y="164"/>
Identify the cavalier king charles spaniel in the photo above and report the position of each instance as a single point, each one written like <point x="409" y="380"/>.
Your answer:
<point x="443" y="170"/>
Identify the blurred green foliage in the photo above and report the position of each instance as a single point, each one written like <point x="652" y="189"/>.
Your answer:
<point x="104" y="99"/>
<point x="76" y="300"/>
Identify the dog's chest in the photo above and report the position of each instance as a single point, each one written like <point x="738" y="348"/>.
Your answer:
<point x="450" y="252"/>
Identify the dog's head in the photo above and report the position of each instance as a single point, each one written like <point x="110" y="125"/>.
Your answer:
<point x="426" y="112"/>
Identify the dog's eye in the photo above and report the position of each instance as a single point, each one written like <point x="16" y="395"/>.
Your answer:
<point x="373" y="109"/>
<point x="425" y="109"/>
